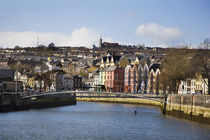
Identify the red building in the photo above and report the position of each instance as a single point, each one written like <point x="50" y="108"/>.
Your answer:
<point x="114" y="79"/>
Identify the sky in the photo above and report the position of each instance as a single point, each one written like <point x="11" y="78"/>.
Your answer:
<point x="82" y="22"/>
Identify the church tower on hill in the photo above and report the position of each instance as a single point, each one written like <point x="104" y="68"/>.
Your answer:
<point x="100" y="42"/>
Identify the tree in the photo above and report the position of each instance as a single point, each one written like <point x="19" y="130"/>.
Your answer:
<point x="39" y="77"/>
<point x="41" y="48"/>
<point x="176" y="67"/>
<point x="20" y="67"/>
<point x="201" y="62"/>
<point x="47" y="80"/>
<point x="17" y="47"/>
<point x="52" y="47"/>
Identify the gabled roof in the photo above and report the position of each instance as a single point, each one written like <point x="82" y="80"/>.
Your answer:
<point x="116" y="58"/>
<point x="90" y="80"/>
<point x="154" y="67"/>
<point x="96" y="62"/>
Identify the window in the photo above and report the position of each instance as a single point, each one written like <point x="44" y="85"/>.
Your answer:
<point x="188" y="82"/>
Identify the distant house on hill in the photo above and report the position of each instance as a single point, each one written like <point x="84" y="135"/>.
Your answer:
<point x="57" y="78"/>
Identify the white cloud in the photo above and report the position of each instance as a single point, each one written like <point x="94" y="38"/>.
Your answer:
<point x="159" y="34"/>
<point x="79" y="37"/>
<point x="83" y="37"/>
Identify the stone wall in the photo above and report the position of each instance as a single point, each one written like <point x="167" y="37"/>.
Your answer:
<point x="192" y="107"/>
<point x="14" y="102"/>
<point x="195" y="100"/>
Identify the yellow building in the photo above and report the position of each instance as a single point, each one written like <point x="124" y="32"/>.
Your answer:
<point x="200" y="84"/>
<point x="31" y="82"/>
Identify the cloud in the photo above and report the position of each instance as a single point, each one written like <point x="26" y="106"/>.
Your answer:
<point x="83" y="37"/>
<point x="79" y="37"/>
<point x="159" y="34"/>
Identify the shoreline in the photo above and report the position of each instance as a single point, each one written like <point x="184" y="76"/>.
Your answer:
<point x="14" y="102"/>
<point x="137" y="101"/>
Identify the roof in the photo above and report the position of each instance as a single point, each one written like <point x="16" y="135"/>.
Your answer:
<point x="96" y="62"/>
<point x="90" y="80"/>
<point x="68" y="78"/>
<point x="103" y="70"/>
<point x="131" y="57"/>
<point x="112" y="68"/>
<point x="154" y="67"/>
<point x="91" y="69"/>
<point x="116" y="58"/>
<point x="59" y="72"/>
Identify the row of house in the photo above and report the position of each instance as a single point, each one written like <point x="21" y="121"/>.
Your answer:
<point x="123" y="74"/>
<point x="7" y="84"/>
<point x="57" y="81"/>
<point x="112" y="73"/>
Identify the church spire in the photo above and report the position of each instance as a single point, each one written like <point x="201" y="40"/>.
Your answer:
<point x="112" y="61"/>
<point x="100" y="42"/>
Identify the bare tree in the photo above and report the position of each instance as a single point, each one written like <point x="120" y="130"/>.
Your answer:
<point x="47" y="80"/>
<point x="201" y="62"/>
<point x="157" y="83"/>
<point x="176" y="67"/>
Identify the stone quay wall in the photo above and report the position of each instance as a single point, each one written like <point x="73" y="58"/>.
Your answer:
<point x="191" y="107"/>
<point x="122" y="98"/>
<point x="15" y="102"/>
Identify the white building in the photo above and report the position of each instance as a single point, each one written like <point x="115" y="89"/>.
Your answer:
<point x="17" y="76"/>
<point x="187" y="87"/>
<point x="24" y="79"/>
<point x="90" y="84"/>
<point x="196" y="85"/>
<point x="96" y="79"/>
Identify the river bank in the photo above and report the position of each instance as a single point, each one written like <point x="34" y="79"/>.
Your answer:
<point x="15" y="102"/>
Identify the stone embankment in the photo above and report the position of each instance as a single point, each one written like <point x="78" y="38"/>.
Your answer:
<point x="191" y="107"/>
<point x="15" y="102"/>
<point x="100" y="97"/>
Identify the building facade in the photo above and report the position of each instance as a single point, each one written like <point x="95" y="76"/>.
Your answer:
<point x="114" y="79"/>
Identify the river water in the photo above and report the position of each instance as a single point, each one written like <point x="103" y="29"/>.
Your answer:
<point x="89" y="120"/>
